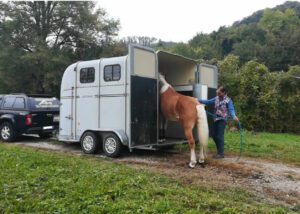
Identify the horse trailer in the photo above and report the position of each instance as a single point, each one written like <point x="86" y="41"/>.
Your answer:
<point x="114" y="102"/>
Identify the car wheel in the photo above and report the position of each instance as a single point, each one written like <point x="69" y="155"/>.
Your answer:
<point x="89" y="143"/>
<point x="45" y="135"/>
<point x="112" y="146"/>
<point x="7" y="132"/>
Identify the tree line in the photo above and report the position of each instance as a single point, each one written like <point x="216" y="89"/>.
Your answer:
<point x="258" y="57"/>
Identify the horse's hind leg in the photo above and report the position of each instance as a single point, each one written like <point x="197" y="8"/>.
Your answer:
<point x="189" y="136"/>
<point x="163" y="123"/>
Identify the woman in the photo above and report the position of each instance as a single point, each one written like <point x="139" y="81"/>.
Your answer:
<point x="223" y="105"/>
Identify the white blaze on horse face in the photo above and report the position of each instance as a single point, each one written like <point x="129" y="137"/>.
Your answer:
<point x="164" y="89"/>
<point x="165" y="86"/>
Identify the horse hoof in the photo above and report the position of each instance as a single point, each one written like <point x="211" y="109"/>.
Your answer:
<point x="201" y="161"/>
<point x="192" y="165"/>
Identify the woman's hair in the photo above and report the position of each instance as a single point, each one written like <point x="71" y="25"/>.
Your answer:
<point x="222" y="89"/>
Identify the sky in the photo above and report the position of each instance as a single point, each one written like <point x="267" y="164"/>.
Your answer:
<point x="179" y="20"/>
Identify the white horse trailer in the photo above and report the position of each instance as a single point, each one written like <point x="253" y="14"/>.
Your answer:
<point x="114" y="102"/>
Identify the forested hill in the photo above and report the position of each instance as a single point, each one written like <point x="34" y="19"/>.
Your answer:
<point x="270" y="36"/>
<point x="255" y="17"/>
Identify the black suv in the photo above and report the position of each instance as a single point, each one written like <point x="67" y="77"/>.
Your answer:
<point x="28" y="114"/>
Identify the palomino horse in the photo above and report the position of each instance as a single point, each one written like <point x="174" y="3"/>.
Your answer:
<point x="189" y="112"/>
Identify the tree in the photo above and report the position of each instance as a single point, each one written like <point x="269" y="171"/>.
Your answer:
<point x="184" y="50"/>
<point x="252" y="80"/>
<point x="289" y="100"/>
<point x="141" y="40"/>
<point x="44" y="37"/>
<point x="282" y="32"/>
<point x="229" y="69"/>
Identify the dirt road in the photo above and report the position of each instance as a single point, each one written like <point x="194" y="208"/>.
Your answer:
<point x="273" y="182"/>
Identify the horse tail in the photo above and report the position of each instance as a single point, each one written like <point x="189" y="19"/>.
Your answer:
<point x="202" y="127"/>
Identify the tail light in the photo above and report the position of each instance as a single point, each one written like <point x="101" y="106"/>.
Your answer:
<point x="28" y="119"/>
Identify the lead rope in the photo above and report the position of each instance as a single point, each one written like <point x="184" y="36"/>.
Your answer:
<point x="241" y="140"/>
<point x="240" y="131"/>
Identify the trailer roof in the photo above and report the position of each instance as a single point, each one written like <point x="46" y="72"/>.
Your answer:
<point x="164" y="55"/>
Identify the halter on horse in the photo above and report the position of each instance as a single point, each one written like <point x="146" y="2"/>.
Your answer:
<point x="189" y="112"/>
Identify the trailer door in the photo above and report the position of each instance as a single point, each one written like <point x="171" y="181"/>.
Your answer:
<point x="113" y="94"/>
<point x="144" y="96"/>
<point x="67" y="95"/>
<point x="86" y="97"/>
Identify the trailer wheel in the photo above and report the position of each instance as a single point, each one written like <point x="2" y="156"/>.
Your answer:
<point x="112" y="146"/>
<point x="89" y="143"/>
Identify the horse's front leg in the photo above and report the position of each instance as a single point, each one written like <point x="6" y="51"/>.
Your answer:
<point x="189" y="136"/>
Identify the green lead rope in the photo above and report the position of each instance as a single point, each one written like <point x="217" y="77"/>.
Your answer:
<point x="240" y="130"/>
<point x="241" y="140"/>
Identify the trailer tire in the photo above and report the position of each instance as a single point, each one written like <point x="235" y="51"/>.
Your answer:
<point x="89" y="143"/>
<point x="112" y="145"/>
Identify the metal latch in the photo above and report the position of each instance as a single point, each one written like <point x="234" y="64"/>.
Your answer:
<point x="69" y="117"/>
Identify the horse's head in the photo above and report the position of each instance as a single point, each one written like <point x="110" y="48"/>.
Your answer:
<point x="162" y="80"/>
<point x="163" y="85"/>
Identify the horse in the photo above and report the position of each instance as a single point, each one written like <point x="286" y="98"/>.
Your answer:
<point x="189" y="112"/>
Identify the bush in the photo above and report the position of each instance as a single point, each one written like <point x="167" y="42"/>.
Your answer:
<point x="264" y="100"/>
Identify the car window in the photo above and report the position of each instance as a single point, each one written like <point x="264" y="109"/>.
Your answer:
<point x="41" y="103"/>
<point x="8" y="102"/>
<point x="19" y="103"/>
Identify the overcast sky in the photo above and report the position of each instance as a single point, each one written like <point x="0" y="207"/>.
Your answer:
<point x="178" y="20"/>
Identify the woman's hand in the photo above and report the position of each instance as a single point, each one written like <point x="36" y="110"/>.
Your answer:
<point x="236" y="119"/>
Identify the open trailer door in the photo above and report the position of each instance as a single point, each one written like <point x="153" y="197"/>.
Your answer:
<point x="144" y="96"/>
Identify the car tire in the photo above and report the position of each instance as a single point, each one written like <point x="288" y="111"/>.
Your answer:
<point x="7" y="133"/>
<point x="112" y="146"/>
<point x="89" y="143"/>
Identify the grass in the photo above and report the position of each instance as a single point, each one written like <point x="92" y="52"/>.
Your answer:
<point x="34" y="181"/>
<point x="278" y="147"/>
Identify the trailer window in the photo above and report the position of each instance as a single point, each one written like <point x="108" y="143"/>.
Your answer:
<point x="19" y="103"/>
<point x="112" y="73"/>
<point x="87" y="75"/>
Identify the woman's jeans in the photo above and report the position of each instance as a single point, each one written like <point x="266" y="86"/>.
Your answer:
<point x="218" y="135"/>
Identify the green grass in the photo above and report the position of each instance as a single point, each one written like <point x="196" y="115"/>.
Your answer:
<point x="278" y="147"/>
<point x="34" y="181"/>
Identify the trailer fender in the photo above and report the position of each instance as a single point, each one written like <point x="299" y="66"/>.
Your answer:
<point x="120" y="133"/>
<point x="123" y="137"/>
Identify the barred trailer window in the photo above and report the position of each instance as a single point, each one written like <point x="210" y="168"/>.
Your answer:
<point x="87" y="75"/>
<point x="112" y="73"/>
